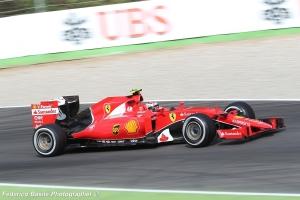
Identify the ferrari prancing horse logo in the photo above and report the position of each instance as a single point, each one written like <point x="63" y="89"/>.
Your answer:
<point x="172" y="116"/>
<point x="107" y="109"/>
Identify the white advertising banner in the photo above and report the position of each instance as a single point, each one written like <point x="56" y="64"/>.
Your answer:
<point x="140" y="22"/>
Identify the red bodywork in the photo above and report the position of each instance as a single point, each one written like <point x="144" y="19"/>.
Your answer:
<point x="44" y="113"/>
<point x="126" y="117"/>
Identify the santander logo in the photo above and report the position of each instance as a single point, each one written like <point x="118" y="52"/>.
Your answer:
<point x="163" y="138"/>
<point x="45" y="111"/>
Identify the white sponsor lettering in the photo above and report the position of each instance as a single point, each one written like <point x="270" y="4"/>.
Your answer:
<point x="240" y="122"/>
<point x="230" y="133"/>
<point x="49" y="111"/>
<point x="38" y="117"/>
<point x="186" y="114"/>
<point x="37" y="125"/>
<point x="110" y="141"/>
<point x="133" y="140"/>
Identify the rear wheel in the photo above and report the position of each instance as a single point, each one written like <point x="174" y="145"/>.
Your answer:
<point x="243" y="109"/>
<point x="198" y="130"/>
<point x="49" y="140"/>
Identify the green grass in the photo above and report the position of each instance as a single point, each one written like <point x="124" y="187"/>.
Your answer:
<point x="37" y="59"/>
<point x="55" y="194"/>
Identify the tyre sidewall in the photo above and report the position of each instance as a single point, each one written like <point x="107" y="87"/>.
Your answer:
<point x="207" y="126"/>
<point x="57" y="135"/>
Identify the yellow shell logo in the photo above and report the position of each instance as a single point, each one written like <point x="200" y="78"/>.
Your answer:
<point x="34" y="106"/>
<point x="238" y="117"/>
<point x="172" y="116"/>
<point x="132" y="126"/>
<point x="107" y="109"/>
<point x="116" y="129"/>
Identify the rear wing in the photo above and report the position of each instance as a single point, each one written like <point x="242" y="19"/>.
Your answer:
<point x="58" y="110"/>
<point x="44" y="113"/>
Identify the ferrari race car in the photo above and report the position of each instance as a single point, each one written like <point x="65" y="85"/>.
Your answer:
<point x="125" y="120"/>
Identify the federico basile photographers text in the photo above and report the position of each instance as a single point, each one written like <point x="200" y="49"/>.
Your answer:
<point x="276" y="12"/>
<point x="76" y="33"/>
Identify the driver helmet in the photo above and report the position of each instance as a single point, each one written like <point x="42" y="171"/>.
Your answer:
<point x="152" y="105"/>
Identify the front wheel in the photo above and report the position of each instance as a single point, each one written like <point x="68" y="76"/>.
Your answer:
<point x="198" y="130"/>
<point x="49" y="140"/>
<point x="243" y="109"/>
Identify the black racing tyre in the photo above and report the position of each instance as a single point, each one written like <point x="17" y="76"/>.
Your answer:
<point x="198" y="130"/>
<point x="242" y="108"/>
<point x="49" y="140"/>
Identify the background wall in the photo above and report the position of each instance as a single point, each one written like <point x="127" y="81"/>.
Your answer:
<point x="139" y="23"/>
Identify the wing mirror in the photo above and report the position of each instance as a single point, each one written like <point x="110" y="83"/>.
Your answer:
<point x="181" y="104"/>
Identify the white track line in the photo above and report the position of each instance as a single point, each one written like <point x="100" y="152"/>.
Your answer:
<point x="178" y="100"/>
<point x="15" y="106"/>
<point x="149" y="191"/>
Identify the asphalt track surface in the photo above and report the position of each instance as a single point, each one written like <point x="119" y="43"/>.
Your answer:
<point x="269" y="163"/>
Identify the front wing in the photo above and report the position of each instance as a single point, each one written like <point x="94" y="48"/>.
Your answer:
<point x="276" y="123"/>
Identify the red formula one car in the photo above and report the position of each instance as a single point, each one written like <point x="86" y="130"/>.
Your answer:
<point x="125" y="120"/>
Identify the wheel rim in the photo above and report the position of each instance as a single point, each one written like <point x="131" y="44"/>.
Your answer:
<point x="44" y="141"/>
<point x="194" y="131"/>
<point x="239" y="112"/>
